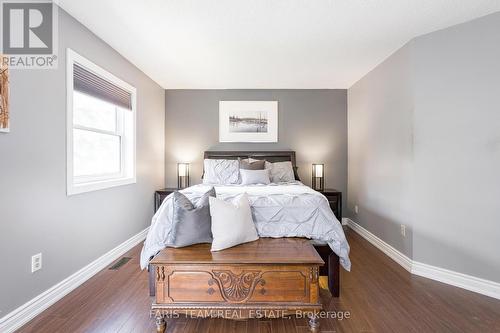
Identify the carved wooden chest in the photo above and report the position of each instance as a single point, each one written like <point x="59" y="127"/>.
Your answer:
<point x="265" y="278"/>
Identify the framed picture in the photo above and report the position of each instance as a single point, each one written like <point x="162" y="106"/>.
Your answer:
<point x="4" y="98"/>
<point x="248" y="121"/>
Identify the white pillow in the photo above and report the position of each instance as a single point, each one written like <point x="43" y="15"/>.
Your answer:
<point x="280" y="171"/>
<point x="222" y="172"/>
<point x="254" y="177"/>
<point x="231" y="224"/>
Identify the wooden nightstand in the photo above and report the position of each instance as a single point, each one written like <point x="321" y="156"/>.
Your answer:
<point x="335" y="199"/>
<point x="162" y="194"/>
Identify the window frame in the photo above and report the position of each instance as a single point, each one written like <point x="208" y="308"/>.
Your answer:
<point x="120" y="133"/>
<point x="127" y="175"/>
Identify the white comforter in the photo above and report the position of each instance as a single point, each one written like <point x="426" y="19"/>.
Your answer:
<point x="284" y="210"/>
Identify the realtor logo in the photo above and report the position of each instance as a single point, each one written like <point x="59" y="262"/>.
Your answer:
<point x="28" y="34"/>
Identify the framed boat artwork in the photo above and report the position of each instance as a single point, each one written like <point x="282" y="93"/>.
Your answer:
<point x="248" y="121"/>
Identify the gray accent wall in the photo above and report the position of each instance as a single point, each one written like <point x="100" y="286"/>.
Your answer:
<point x="424" y="148"/>
<point x="35" y="213"/>
<point x="311" y="122"/>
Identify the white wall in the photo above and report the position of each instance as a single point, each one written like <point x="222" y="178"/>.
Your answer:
<point x="35" y="213"/>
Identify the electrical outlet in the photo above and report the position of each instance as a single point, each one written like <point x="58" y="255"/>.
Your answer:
<point x="36" y="262"/>
<point x="403" y="230"/>
<point x="356" y="210"/>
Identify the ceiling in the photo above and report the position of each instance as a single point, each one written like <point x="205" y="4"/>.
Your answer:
<point x="297" y="44"/>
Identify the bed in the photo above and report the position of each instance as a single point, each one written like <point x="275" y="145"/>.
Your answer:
<point x="279" y="210"/>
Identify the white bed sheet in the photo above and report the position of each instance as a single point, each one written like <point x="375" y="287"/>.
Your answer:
<point x="278" y="210"/>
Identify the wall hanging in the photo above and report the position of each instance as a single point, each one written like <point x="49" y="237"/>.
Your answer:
<point x="4" y="97"/>
<point x="248" y="121"/>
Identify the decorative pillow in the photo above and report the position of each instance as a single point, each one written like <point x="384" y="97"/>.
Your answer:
<point x="254" y="177"/>
<point x="231" y="224"/>
<point x="222" y="172"/>
<point x="191" y="223"/>
<point x="280" y="171"/>
<point x="251" y="164"/>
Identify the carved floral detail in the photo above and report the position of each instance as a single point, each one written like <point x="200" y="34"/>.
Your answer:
<point x="236" y="287"/>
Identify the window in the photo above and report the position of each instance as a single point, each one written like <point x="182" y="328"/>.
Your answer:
<point x="101" y="128"/>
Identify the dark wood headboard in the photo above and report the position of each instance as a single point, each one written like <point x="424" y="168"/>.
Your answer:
<point x="271" y="156"/>
<point x="268" y="155"/>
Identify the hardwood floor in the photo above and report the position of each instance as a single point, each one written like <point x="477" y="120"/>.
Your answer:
<point x="378" y="295"/>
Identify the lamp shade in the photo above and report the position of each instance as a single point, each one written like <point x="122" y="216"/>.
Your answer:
<point x="183" y="169"/>
<point x="182" y="175"/>
<point x="318" y="177"/>
<point x="318" y="170"/>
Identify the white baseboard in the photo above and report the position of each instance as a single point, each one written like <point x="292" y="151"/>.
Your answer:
<point x="464" y="281"/>
<point x="390" y="251"/>
<point x="23" y="314"/>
